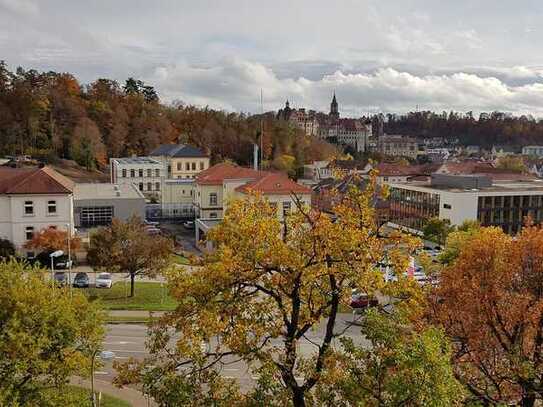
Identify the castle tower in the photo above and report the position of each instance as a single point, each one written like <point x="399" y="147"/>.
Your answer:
<point x="334" y="111"/>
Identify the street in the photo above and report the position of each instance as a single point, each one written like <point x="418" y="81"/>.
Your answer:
<point x="128" y="340"/>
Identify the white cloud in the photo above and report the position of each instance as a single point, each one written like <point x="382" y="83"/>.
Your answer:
<point x="22" y="7"/>
<point x="235" y="84"/>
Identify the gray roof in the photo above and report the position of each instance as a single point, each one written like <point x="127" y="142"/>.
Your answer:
<point x="136" y="160"/>
<point x="86" y="191"/>
<point x="177" y="150"/>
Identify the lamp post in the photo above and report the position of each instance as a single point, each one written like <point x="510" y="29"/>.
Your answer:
<point x="69" y="227"/>
<point x="58" y="253"/>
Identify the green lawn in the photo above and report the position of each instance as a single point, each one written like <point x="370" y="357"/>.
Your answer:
<point x="148" y="297"/>
<point x="179" y="259"/>
<point x="81" y="397"/>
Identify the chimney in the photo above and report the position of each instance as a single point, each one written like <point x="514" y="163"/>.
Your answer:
<point x="255" y="157"/>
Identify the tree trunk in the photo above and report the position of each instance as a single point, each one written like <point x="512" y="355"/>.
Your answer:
<point x="528" y="400"/>
<point x="298" y="399"/>
<point x="132" y="283"/>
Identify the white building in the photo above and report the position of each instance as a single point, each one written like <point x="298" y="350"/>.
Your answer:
<point x="31" y="200"/>
<point x="536" y="151"/>
<point x="467" y="197"/>
<point x="143" y="172"/>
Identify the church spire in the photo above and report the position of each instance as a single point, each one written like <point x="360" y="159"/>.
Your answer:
<point x="334" y="110"/>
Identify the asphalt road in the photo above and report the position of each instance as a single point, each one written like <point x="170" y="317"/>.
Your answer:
<point x="128" y="341"/>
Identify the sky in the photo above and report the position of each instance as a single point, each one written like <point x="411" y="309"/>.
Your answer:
<point x="377" y="55"/>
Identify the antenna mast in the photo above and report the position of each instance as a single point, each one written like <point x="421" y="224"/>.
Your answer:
<point x="261" y="128"/>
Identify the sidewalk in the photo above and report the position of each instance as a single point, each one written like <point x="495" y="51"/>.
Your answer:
<point x="134" y="313"/>
<point x="127" y="394"/>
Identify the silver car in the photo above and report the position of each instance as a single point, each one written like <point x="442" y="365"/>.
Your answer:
<point x="104" y="280"/>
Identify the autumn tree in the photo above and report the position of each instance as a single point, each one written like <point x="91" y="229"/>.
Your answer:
<point x="437" y="230"/>
<point x="261" y="293"/>
<point x="400" y="366"/>
<point x="126" y="247"/>
<point x="512" y="163"/>
<point x="7" y="249"/>
<point x="490" y="303"/>
<point x="45" y="337"/>
<point x="87" y="147"/>
<point x="50" y="240"/>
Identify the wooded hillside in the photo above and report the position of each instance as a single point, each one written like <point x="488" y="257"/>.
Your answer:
<point x="50" y="115"/>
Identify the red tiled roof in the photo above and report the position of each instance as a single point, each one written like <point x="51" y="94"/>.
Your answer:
<point x="276" y="184"/>
<point x="218" y="173"/>
<point x="33" y="181"/>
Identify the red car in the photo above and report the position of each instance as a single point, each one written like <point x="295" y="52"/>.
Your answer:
<point x="363" y="301"/>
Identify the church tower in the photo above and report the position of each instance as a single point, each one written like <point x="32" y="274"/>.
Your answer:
<point x="334" y="112"/>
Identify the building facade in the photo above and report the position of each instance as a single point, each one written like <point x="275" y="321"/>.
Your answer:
<point x="143" y="172"/>
<point x="536" y="151"/>
<point x="215" y="187"/>
<point x="398" y="146"/>
<point x="32" y="200"/>
<point x="461" y="198"/>
<point x="98" y="204"/>
<point x="181" y="161"/>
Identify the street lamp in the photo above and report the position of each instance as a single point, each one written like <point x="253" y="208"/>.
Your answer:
<point x="69" y="227"/>
<point x="58" y="253"/>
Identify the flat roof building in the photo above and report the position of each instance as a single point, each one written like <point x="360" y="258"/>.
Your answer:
<point x="144" y="172"/>
<point x="505" y="203"/>
<point x="97" y="204"/>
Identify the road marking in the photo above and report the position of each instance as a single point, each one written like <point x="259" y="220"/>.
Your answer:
<point x="101" y="373"/>
<point x="128" y="351"/>
<point x="119" y="343"/>
<point x="122" y="357"/>
<point x="230" y="370"/>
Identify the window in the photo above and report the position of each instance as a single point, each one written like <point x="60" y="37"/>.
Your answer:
<point x="286" y="208"/>
<point x="187" y="166"/>
<point x="124" y="172"/>
<point x="157" y="186"/>
<point x="201" y="165"/>
<point x="157" y="173"/>
<point x="213" y="199"/>
<point x="149" y="186"/>
<point x="51" y="207"/>
<point x="96" y="216"/>
<point x="132" y="173"/>
<point x="193" y="166"/>
<point x="213" y="215"/>
<point x="140" y="172"/>
<point x="140" y="186"/>
<point x="29" y="208"/>
<point x="179" y="167"/>
<point x="447" y="206"/>
<point x="29" y="232"/>
<point x="149" y="172"/>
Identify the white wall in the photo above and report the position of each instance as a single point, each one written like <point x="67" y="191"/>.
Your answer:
<point x="13" y="221"/>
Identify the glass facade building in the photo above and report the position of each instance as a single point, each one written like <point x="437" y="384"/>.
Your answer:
<point x="412" y="208"/>
<point x="509" y="212"/>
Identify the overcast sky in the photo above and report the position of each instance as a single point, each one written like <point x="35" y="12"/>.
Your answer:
<point x="378" y="55"/>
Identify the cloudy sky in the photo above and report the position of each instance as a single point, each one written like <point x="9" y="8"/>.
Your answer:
<point x="378" y="55"/>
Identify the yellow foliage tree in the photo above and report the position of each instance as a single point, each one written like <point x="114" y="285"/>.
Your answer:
<point x="259" y="296"/>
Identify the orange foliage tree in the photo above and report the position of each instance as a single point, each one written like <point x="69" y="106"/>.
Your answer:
<point x="490" y="302"/>
<point x="50" y="239"/>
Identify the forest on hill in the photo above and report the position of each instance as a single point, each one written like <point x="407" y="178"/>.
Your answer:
<point x="486" y="130"/>
<point x="50" y="115"/>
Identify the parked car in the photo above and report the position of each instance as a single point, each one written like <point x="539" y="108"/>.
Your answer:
<point x="151" y="223"/>
<point x="152" y="230"/>
<point x="189" y="224"/>
<point x="60" y="278"/>
<point x="104" y="280"/>
<point x="360" y="302"/>
<point x="81" y="280"/>
<point x="62" y="262"/>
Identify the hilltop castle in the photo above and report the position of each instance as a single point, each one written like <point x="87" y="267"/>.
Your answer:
<point x="350" y="132"/>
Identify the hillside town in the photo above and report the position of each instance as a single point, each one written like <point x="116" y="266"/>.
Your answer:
<point x="239" y="204"/>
